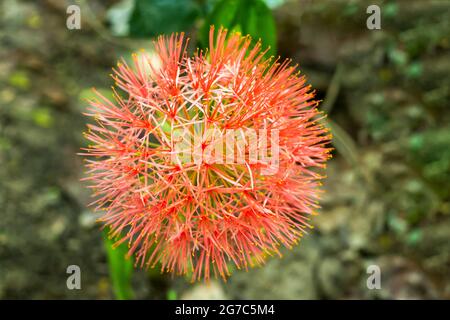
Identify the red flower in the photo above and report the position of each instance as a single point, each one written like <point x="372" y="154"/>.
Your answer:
<point x="202" y="207"/>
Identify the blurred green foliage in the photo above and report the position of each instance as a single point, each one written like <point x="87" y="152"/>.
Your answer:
<point x="251" y="17"/>
<point x="20" y="80"/>
<point x="151" y="18"/>
<point x="120" y="268"/>
<point x="430" y="152"/>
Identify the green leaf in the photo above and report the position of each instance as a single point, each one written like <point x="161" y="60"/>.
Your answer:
<point x="251" y="17"/>
<point x="154" y="17"/>
<point x="120" y="268"/>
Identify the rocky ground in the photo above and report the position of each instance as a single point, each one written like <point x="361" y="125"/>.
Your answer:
<point x="386" y="199"/>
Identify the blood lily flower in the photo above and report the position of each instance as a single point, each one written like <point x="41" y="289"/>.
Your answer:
<point x="199" y="214"/>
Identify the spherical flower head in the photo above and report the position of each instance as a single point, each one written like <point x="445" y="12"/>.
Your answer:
<point x="206" y="163"/>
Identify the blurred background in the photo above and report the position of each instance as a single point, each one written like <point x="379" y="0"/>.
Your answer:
<point x="387" y="195"/>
